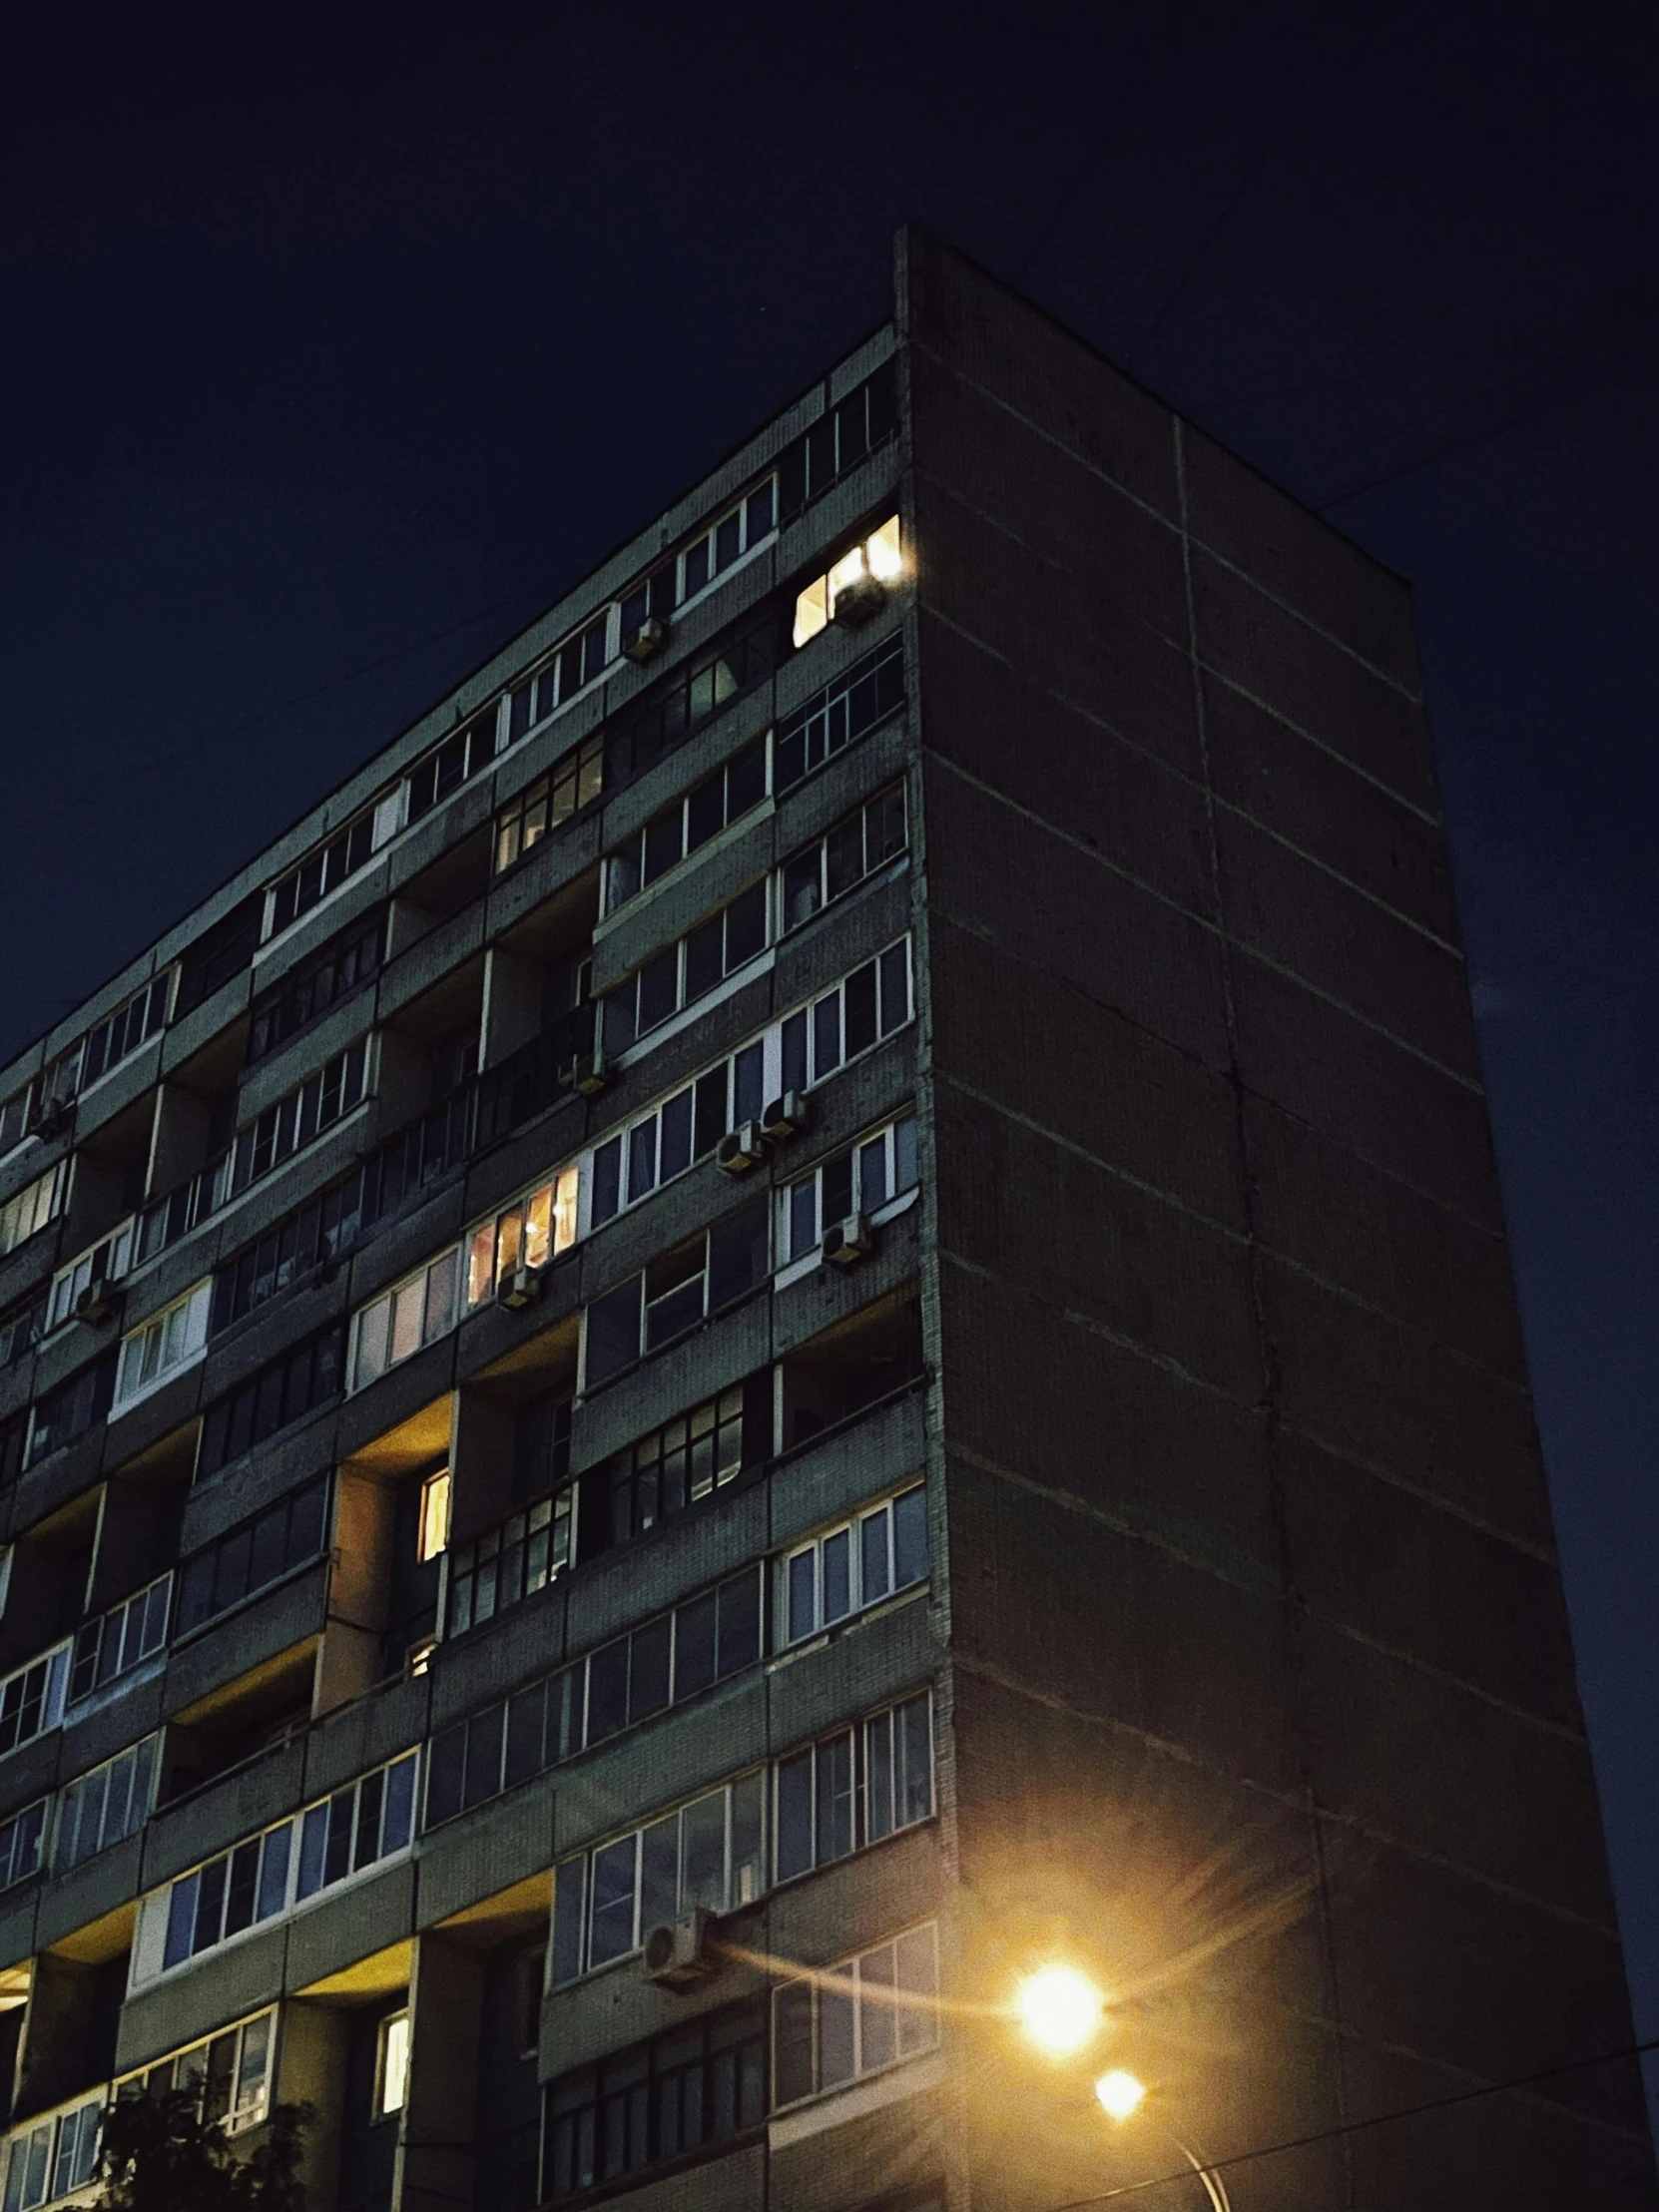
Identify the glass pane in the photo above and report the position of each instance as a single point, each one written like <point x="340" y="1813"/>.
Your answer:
<point x="834" y="1799"/>
<point x="611" y="1918"/>
<point x="747" y="1875"/>
<point x="835" y="2034"/>
<point x="703" y="1853"/>
<point x="910" y="1537"/>
<point x="878" y="1778"/>
<point x="877" y="2022"/>
<point x="873" y="1557"/>
<point x="838" y="1575"/>
<point x="795" y="1815"/>
<point x="659" y="1873"/>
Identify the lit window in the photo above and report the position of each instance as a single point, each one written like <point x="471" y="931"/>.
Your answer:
<point x="527" y="1234"/>
<point x="880" y="559"/>
<point x="433" y="1536"/>
<point x="393" y="2068"/>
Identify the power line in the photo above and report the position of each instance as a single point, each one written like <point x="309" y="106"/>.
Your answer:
<point x="1580" y="390"/>
<point x="1354" y="2127"/>
<point x="1214" y="231"/>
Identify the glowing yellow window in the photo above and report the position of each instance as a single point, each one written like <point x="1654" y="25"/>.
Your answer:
<point x="883" y="553"/>
<point x="811" y="609"/>
<point x="393" y="2068"/>
<point x="433" y="1537"/>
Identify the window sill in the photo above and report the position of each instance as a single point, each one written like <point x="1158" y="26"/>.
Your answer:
<point x="638" y="902"/>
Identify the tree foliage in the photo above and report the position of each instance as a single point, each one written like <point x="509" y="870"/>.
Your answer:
<point x="159" y="2154"/>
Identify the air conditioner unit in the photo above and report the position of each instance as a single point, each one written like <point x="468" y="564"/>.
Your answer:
<point x="785" y="1116"/>
<point x="586" y="1073"/>
<point x="847" y="1242"/>
<point x="648" y="639"/>
<point x="55" y="1119"/>
<point x="97" y="1301"/>
<point x="679" y="1952"/>
<point x="859" y="601"/>
<point x="521" y="1288"/>
<point x="742" y="1149"/>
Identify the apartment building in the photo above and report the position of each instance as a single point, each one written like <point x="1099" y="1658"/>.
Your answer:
<point x="806" y="1308"/>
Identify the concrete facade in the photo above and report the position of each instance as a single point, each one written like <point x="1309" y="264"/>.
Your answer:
<point x="819" y="1273"/>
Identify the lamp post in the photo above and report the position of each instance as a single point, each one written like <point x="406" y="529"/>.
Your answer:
<point x="1120" y="2095"/>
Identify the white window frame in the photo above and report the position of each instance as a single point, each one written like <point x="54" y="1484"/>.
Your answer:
<point x="431" y="1293"/>
<point x="33" y="1208"/>
<point x="850" y="1526"/>
<point x="896" y="1202"/>
<point x="179" y="1332"/>
<point x="923" y="1947"/>
<point x="538" y="1227"/>
<point x="143" y="1764"/>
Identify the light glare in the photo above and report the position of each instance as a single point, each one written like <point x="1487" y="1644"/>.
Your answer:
<point x="1059" y="2008"/>
<point x="1120" y="2093"/>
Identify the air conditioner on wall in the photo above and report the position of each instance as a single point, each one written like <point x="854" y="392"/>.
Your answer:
<point x="648" y="639"/>
<point x="859" y="601"/>
<point x="586" y="1073"/>
<point x="847" y="1242"/>
<point x="742" y="1149"/>
<point x="679" y="1952"/>
<point x="521" y="1288"/>
<point x="97" y="1301"/>
<point x="784" y="1117"/>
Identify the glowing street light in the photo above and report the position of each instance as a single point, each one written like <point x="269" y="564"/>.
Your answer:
<point x="1120" y="2093"/>
<point x="1059" y="2008"/>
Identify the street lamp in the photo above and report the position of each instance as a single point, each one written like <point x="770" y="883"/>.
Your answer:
<point x="1060" y="2009"/>
<point x="1121" y="2096"/>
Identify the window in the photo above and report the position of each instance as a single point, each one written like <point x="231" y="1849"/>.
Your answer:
<point x="357" y="1827"/>
<point x="164" y="1343"/>
<point x="19" y="1842"/>
<point x="101" y="1807"/>
<point x="113" y="1041"/>
<point x="740" y="531"/>
<point x="77" y="1405"/>
<point x="54" y="2157"/>
<point x="686" y="824"/>
<point x="862" y="1180"/>
<point x="229" y="2073"/>
<point x="20" y="1330"/>
<point x="319" y="1231"/>
<point x="858" y="1563"/>
<point x="685" y="2090"/>
<point x="119" y="1639"/>
<point x="285" y="1128"/>
<point x="15" y="1116"/>
<point x="312" y="987"/>
<point x="679" y="1464"/>
<point x="840" y="715"/>
<point x="873" y="1003"/>
<point x="841" y="437"/>
<point x="663" y="1143"/>
<point x="686" y="971"/>
<point x="675" y="1294"/>
<point x="530" y="1232"/>
<point x="507" y="1564"/>
<point x="261" y="1552"/>
<point x="416" y="1311"/>
<point x="709" y="1853"/>
<point x="30" y="1209"/>
<point x="331" y="864"/>
<point x="433" y="1534"/>
<point x="31" y="1699"/>
<point x="107" y="1261"/>
<point x="878" y="558"/>
<point x="14" y="1436"/>
<point x="691" y="695"/>
<point x="448" y="765"/>
<point x="664" y="1661"/>
<point x="855" y="847"/>
<point x="286" y="1391"/>
<point x="876" y="2010"/>
<point x="391" y="2065"/>
<point x="550" y="801"/>
<point x="853" y="1787"/>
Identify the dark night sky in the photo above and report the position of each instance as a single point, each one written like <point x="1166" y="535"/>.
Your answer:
<point x="332" y="353"/>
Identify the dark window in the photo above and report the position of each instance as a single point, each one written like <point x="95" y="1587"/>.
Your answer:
<point x="285" y="1536"/>
<point x="20" y="1332"/>
<point x="72" y="1409"/>
<point x="838" y="440"/>
<point x="872" y="689"/>
<point x="685" y="701"/>
<point x="322" y="870"/>
<point x="310" y="990"/>
<point x="290" y="1388"/>
<point x="446" y="768"/>
<point x="687" y="2090"/>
